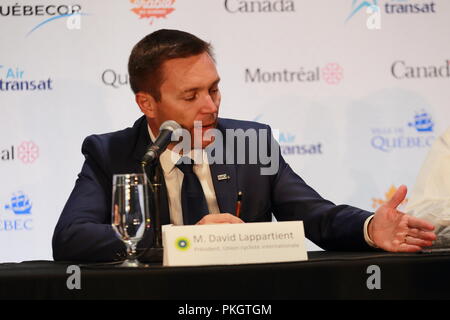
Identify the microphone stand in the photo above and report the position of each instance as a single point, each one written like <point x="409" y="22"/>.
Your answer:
<point x="150" y="161"/>
<point x="155" y="253"/>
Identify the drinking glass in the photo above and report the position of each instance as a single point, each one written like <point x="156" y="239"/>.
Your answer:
<point x="130" y="213"/>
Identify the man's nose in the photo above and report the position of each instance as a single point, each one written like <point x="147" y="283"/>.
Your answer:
<point x="209" y="106"/>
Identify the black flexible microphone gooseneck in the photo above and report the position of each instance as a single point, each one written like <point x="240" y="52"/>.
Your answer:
<point x="161" y="142"/>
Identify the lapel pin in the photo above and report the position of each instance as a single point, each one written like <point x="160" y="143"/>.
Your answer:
<point x="223" y="176"/>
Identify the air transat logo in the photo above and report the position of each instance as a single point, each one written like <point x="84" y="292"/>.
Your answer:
<point x="152" y="9"/>
<point x="392" y="7"/>
<point x="359" y="5"/>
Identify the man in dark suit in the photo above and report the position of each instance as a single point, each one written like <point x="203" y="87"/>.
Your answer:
<point x="173" y="76"/>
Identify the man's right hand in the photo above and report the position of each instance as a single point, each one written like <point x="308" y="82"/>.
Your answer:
<point x="216" y="218"/>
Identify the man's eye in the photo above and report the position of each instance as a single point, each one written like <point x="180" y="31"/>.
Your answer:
<point x="190" y="98"/>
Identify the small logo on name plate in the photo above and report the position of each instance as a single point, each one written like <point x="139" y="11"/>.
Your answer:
<point x="182" y="244"/>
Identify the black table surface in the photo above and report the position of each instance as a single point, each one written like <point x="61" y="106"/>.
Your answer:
<point x="326" y="275"/>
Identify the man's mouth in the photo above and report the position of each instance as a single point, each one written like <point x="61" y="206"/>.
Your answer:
<point x="210" y="124"/>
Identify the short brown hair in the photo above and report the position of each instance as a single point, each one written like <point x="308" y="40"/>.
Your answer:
<point x="148" y="55"/>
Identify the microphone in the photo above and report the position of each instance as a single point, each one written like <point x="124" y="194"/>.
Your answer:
<point x="161" y="142"/>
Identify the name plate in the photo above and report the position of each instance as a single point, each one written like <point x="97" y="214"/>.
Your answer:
<point x="242" y="243"/>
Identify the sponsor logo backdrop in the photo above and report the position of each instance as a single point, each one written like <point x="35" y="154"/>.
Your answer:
<point x="357" y="91"/>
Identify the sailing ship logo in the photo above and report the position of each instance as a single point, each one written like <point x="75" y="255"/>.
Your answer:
<point x="422" y="122"/>
<point x="20" y="203"/>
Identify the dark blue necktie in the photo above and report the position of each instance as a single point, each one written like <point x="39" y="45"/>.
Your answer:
<point x="193" y="199"/>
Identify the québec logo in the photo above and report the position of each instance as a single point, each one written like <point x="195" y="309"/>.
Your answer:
<point x="20" y="206"/>
<point x="422" y="122"/>
<point x="115" y="79"/>
<point x="19" y="203"/>
<point x="152" y="9"/>
<point x="418" y="133"/>
<point x="14" y="79"/>
<point x="332" y="73"/>
<point x="27" y="152"/>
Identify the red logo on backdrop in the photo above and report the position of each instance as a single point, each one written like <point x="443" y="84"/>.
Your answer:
<point x="28" y="152"/>
<point x="332" y="73"/>
<point x="377" y="202"/>
<point x="153" y="9"/>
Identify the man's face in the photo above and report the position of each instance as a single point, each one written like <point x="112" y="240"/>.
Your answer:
<point x="189" y="92"/>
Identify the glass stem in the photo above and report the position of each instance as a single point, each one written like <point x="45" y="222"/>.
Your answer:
<point x="131" y="249"/>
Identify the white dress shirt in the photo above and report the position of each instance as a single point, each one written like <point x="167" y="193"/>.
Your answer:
<point x="174" y="179"/>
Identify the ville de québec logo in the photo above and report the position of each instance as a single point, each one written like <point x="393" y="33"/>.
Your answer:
<point x="20" y="203"/>
<point x="20" y="206"/>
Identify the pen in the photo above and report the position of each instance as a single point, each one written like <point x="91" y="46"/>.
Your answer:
<point x="238" y="204"/>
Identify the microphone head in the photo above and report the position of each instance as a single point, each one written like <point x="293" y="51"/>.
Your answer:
<point x="170" y="125"/>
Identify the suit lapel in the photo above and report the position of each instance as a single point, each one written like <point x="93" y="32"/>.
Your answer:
<point x="225" y="179"/>
<point x="225" y="185"/>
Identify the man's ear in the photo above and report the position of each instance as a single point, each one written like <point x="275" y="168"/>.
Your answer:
<point x="146" y="103"/>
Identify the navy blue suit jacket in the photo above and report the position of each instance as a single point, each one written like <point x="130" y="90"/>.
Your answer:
<point x="84" y="233"/>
